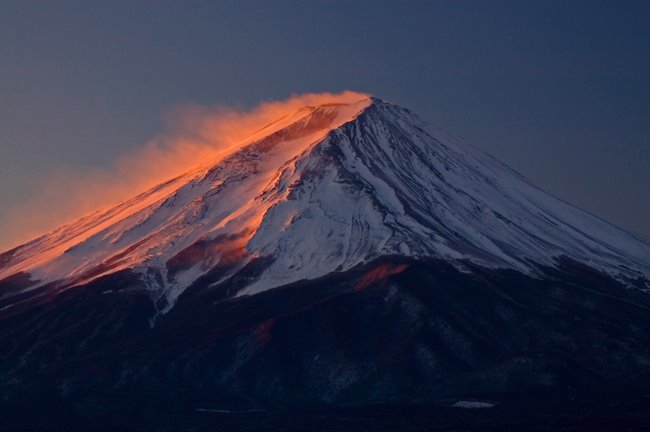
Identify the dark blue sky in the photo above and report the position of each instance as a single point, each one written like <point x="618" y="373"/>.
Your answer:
<point x="559" y="90"/>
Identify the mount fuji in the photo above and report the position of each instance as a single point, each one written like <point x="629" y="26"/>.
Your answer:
<point x="345" y="254"/>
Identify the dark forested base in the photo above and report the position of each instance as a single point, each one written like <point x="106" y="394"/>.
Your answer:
<point x="518" y="413"/>
<point x="387" y="346"/>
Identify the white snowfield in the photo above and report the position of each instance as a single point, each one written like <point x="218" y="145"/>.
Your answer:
<point x="473" y="405"/>
<point x="324" y="190"/>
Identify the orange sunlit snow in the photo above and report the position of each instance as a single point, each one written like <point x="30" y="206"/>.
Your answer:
<point x="197" y="136"/>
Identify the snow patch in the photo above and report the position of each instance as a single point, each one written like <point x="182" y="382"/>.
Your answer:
<point x="473" y="404"/>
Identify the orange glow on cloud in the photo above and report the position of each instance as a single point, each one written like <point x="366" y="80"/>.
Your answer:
<point x="197" y="137"/>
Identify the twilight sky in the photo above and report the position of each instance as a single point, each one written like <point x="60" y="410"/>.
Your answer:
<point x="558" y="90"/>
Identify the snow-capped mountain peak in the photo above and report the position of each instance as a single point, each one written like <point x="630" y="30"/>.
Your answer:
<point x="322" y="190"/>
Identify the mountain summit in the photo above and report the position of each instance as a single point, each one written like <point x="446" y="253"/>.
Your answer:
<point x="326" y="189"/>
<point x="346" y="254"/>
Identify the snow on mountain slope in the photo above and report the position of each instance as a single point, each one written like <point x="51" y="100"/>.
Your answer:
<point x="213" y="202"/>
<point x="388" y="183"/>
<point x="323" y="190"/>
